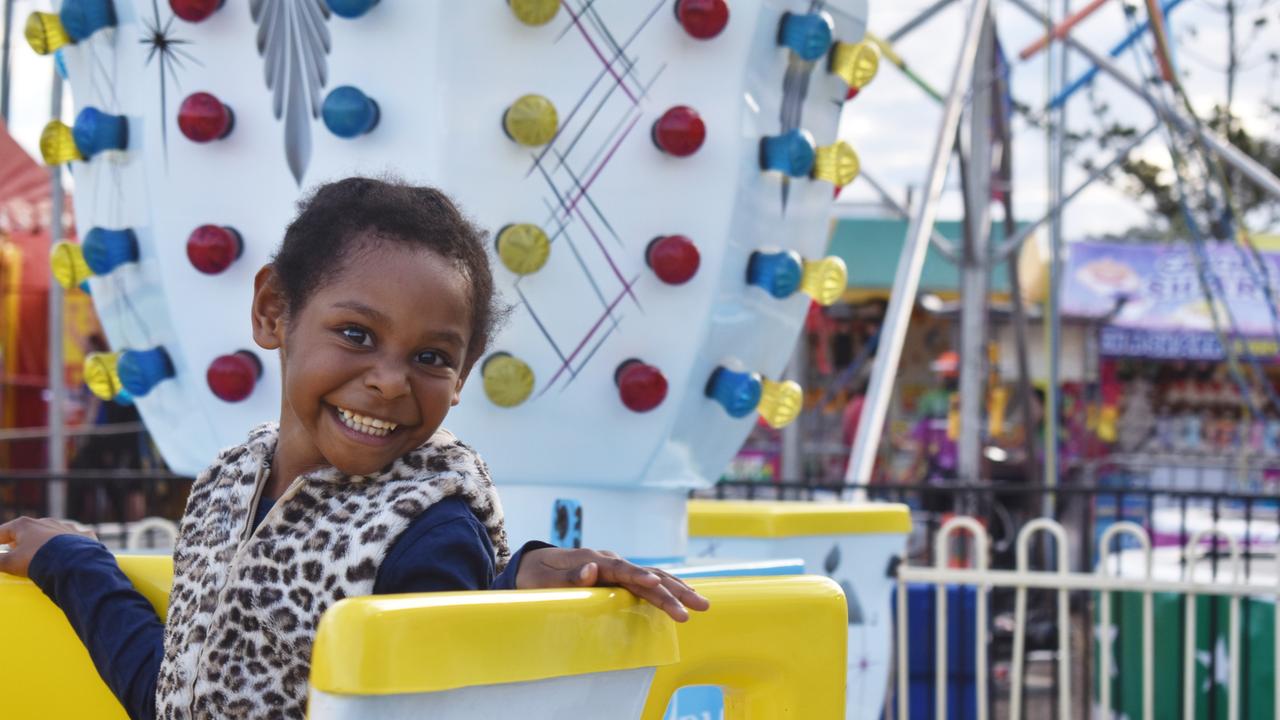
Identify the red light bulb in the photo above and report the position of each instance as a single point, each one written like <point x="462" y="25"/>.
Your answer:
<point x="212" y="248"/>
<point x="203" y="118"/>
<point x="194" y="10"/>
<point x="642" y="387"/>
<point x="680" y="131"/>
<point x="674" y="258"/>
<point x="233" y="377"/>
<point x="703" y="19"/>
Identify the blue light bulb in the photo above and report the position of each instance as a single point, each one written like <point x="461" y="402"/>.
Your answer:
<point x="351" y="8"/>
<point x="96" y="131"/>
<point x="808" y="35"/>
<point x="105" y="250"/>
<point x="738" y="392"/>
<point x="82" y="18"/>
<point x="349" y="113"/>
<point x="142" y="370"/>
<point x="123" y="398"/>
<point x="779" y="273"/>
<point x="792" y="152"/>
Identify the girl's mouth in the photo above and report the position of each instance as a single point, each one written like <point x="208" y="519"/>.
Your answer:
<point x="363" y="428"/>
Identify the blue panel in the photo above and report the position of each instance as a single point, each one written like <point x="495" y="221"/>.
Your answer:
<point x="566" y="524"/>
<point x="962" y="697"/>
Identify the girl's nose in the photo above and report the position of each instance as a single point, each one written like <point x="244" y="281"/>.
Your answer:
<point x="389" y="379"/>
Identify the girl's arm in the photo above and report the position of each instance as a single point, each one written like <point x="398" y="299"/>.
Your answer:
<point x="446" y="548"/>
<point x="115" y="622"/>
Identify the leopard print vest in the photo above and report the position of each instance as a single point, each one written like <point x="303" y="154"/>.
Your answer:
<point x="245" y="603"/>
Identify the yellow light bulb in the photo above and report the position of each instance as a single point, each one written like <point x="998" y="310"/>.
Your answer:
<point x="824" y="280"/>
<point x="780" y="402"/>
<point x="508" y="380"/>
<point x="66" y="259"/>
<point x="855" y="63"/>
<point x="838" y="164"/>
<point x="58" y="145"/>
<point x="45" y="33"/>
<point x="531" y="120"/>
<point x="523" y="248"/>
<point x="101" y="374"/>
<point x="534" y="12"/>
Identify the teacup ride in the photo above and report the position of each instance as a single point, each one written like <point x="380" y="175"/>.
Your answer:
<point x="657" y="176"/>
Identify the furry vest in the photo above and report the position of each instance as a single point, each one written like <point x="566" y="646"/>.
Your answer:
<point x="245" y="603"/>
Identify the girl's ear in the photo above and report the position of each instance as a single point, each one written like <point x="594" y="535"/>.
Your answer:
<point x="268" y="310"/>
<point x="457" y="389"/>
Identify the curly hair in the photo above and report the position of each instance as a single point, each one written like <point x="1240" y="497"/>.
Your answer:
<point x="319" y="242"/>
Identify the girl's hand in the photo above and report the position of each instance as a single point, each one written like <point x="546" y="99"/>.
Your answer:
<point x="26" y="535"/>
<point x="559" y="567"/>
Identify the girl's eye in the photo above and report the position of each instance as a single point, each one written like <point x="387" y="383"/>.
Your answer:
<point x="356" y="335"/>
<point x="433" y="358"/>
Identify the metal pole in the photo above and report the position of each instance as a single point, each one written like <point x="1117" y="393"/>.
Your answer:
<point x="1003" y="123"/>
<point x="1057" y="144"/>
<point x="1015" y="240"/>
<point x="57" y="444"/>
<point x="5" y="76"/>
<point x="907" y="280"/>
<point x="1249" y="167"/>
<point x="792" y="453"/>
<point x="975" y="268"/>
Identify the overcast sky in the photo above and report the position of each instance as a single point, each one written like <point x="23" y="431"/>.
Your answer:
<point x="893" y="124"/>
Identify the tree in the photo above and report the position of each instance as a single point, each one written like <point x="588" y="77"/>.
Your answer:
<point x="1156" y="184"/>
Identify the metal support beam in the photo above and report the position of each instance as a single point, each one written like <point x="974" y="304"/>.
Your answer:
<point x="975" y="266"/>
<point x="907" y="280"/>
<point x="1004" y="131"/>
<point x="792" y="448"/>
<point x="5" y="64"/>
<point x="56" y="498"/>
<point x="1248" y="167"/>
<point x="1010" y="246"/>
<point x="942" y="244"/>
<point x="1053" y="318"/>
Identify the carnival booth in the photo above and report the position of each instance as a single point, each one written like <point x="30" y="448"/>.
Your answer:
<point x="1186" y="390"/>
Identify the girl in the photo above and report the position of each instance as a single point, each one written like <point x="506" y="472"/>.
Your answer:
<point x="379" y="301"/>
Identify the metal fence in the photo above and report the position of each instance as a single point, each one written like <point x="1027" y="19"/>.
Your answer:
<point x="1057" y="577"/>
<point x="123" y="507"/>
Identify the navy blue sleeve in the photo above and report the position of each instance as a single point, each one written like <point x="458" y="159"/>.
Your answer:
<point x="507" y="580"/>
<point x="445" y="548"/>
<point x="115" y="622"/>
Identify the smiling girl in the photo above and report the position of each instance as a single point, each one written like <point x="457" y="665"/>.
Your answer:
<point x="379" y="301"/>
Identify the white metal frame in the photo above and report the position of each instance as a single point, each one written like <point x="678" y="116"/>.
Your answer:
<point x="1102" y="580"/>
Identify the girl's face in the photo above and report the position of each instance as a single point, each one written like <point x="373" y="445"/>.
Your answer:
<point x="372" y="362"/>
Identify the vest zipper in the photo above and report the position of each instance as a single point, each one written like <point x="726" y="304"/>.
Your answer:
<point x="245" y="536"/>
<point x="259" y="485"/>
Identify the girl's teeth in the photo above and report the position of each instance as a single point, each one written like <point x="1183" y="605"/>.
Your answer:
<point x="367" y="425"/>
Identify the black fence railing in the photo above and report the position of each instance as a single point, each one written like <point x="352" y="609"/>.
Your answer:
<point x="95" y="497"/>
